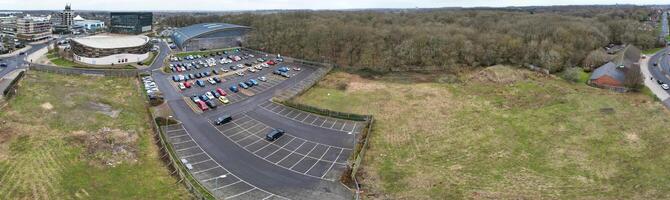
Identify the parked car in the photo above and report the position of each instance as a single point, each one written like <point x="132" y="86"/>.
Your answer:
<point x="284" y="74"/>
<point x="200" y="83"/>
<point x="181" y="86"/>
<point x="239" y="73"/>
<point x="202" y="105"/>
<point x="216" y="79"/>
<point x="283" y="69"/>
<point x="211" y="104"/>
<point x="224" y="100"/>
<point x="195" y="99"/>
<point x="221" y="92"/>
<point x="244" y="85"/>
<point x="297" y="68"/>
<point x="254" y="82"/>
<point x="665" y="86"/>
<point x="262" y="78"/>
<point x="215" y="72"/>
<point x="655" y="64"/>
<point x="234" y="89"/>
<point x="271" y="62"/>
<point x="274" y="134"/>
<point x="209" y="95"/>
<point x="187" y="84"/>
<point x="216" y="94"/>
<point x="223" y="119"/>
<point x="211" y="81"/>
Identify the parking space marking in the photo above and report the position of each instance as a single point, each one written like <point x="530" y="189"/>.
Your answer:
<point x="178" y="135"/>
<point x="197" y="154"/>
<point x="230" y="197"/>
<point x="248" y="121"/>
<point x="216" y="177"/>
<point x="219" y="166"/>
<point x="204" y="170"/>
<point x="317" y="161"/>
<point x="193" y="147"/>
<point x="280" y="148"/>
<point x="227" y="185"/>
<point x="318" y="121"/>
<point x="332" y="164"/>
<point x="202" y="161"/>
<point x="182" y="142"/>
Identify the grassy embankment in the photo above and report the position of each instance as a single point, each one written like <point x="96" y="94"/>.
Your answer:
<point x="503" y="133"/>
<point x="78" y="137"/>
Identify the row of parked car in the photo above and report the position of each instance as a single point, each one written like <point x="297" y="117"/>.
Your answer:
<point x="149" y="85"/>
<point x="206" y="100"/>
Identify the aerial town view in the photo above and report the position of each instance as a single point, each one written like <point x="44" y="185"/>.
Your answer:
<point x="321" y="100"/>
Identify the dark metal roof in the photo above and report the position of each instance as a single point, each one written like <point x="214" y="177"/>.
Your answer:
<point x="186" y="33"/>
<point x="609" y="69"/>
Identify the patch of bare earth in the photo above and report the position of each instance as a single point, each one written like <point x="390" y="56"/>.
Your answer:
<point x="47" y="106"/>
<point x="108" y="147"/>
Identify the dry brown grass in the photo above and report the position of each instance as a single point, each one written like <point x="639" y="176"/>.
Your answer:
<point x="504" y="133"/>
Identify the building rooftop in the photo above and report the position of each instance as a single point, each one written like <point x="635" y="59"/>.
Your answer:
<point x="112" y="42"/>
<point x="185" y="33"/>
<point x="609" y="69"/>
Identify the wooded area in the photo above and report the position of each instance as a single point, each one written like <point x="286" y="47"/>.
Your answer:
<point x="384" y="40"/>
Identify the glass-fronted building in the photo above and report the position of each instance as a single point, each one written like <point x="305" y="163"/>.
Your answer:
<point x="130" y="22"/>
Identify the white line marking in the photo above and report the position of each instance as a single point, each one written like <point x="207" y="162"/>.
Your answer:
<point x="230" y="197"/>
<point x="304" y="156"/>
<point x="184" y="157"/>
<point x="331" y="165"/>
<point x="227" y="185"/>
<point x="182" y="142"/>
<point x="280" y="148"/>
<point x="187" y="148"/>
<point x="195" y="163"/>
<point x="178" y="136"/>
<point x="205" y="170"/>
<point x="317" y="161"/>
<point x="303" y="142"/>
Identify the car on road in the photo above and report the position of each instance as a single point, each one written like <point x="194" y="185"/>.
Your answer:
<point x="274" y="134"/>
<point x="655" y="64"/>
<point x="262" y="78"/>
<point x="234" y="89"/>
<point x="659" y="81"/>
<point x="223" y="119"/>
<point x="3" y="64"/>
<point x="665" y="86"/>
<point x="224" y="100"/>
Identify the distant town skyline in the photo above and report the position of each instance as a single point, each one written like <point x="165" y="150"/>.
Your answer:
<point x="230" y="5"/>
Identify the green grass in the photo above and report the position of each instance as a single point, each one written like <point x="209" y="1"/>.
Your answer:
<point x="536" y="137"/>
<point x="42" y="154"/>
<point x="182" y="54"/>
<point x="150" y="59"/>
<point x="651" y="51"/>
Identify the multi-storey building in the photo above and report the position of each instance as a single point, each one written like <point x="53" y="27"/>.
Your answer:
<point x="31" y="28"/>
<point x="130" y="22"/>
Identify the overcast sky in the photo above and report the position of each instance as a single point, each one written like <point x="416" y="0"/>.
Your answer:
<point x="223" y="5"/>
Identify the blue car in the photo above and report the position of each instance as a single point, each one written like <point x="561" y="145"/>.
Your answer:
<point x="244" y="85"/>
<point x="175" y="78"/>
<point x="204" y="97"/>
<point x="253" y="81"/>
<point x="234" y="89"/>
<point x="283" y="69"/>
<point x="200" y="83"/>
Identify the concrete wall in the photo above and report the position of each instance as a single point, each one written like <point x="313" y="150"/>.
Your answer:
<point x="113" y="59"/>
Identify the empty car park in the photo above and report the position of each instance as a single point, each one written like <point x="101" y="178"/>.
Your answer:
<point x="302" y="161"/>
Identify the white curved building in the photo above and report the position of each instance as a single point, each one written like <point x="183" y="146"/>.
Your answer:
<point x="108" y="50"/>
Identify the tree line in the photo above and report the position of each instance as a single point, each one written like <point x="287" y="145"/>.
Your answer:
<point x="386" y="40"/>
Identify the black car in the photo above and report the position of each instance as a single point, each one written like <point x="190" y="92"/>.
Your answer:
<point x="223" y="119"/>
<point x="198" y="75"/>
<point x="210" y="103"/>
<point x="206" y="74"/>
<point x="215" y="94"/>
<point x="655" y="64"/>
<point x="659" y="81"/>
<point x="3" y="64"/>
<point x="247" y="64"/>
<point x="217" y="79"/>
<point x="232" y="67"/>
<point x="274" y="134"/>
<point x="215" y="72"/>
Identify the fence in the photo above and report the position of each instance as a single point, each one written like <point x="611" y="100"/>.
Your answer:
<point x="10" y="90"/>
<point x="78" y="71"/>
<point x="167" y="150"/>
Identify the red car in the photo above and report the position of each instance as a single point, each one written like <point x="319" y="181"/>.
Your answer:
<point x="187" y="84"/>
<point x="221" y="92"/>
<point x="202" y="106"/>
<point x="272" y="62"/>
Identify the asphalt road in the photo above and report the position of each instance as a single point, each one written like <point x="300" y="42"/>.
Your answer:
<point x="17" y="62"/>
<point x="664" y="24"/>
<point x="256" y="166"/>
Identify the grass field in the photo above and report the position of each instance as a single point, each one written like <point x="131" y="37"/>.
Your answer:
<point x="503" y="133"/>
<point x="651" y="51"/>
<point x="79" y="137"/>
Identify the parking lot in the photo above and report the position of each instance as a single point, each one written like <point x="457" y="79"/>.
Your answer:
<point x="232" y="79"/>
<point x="301" y="156"/>
<point x="222" y="183"/>
<point x="305" y="163"/>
